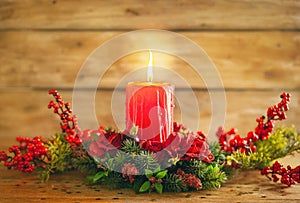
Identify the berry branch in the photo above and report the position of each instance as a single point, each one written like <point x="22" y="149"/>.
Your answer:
<point x="289" y="175"/>
<point x="231" y="141"/>
<point x="68" y="122"/>
<point x="263" y="145"/>
<point x="30" y="153"/>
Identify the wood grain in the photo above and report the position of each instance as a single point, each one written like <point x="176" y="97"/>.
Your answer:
<point x="24" y="112"/>
<point x="255" y="60"/>
<point x="246" y="186"/>
<point x="135" y="14"/>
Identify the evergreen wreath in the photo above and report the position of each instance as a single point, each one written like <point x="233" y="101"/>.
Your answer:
<point x="117" y="160"/>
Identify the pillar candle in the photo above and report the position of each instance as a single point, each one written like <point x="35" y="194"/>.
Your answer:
<point x="149" y="110"/>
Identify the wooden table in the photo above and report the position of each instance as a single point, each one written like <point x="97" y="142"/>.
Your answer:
<point x="245" y="186"/>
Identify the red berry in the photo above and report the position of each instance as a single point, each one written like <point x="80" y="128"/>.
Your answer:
<point x="232" y="131"/>
<point x="152" y="179"/>
<point x="159" y="181"/>
<point x="232" y="142"/>
<point x="275" y="178"/>
<point x="253" y="148"/>
<point x="243" y="150"/>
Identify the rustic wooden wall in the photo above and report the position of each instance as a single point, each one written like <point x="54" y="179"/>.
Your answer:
<point x="43" y="43"/>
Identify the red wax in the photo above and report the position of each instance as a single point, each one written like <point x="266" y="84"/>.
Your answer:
<point x="149" y="107"/>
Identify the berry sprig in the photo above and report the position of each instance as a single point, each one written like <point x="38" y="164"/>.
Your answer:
<point x="68" y="121"/>
<point x="189" y="179"/>
<point x="129" y="171"/>
<point x="26" y="156"/>
<point x="231" y="141"/>
<point x="277" y="112"/>
<point x="33" y="153"/>
<point x="289" y="175"/>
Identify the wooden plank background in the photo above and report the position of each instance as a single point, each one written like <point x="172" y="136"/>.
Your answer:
<point x="134" y="14"/>
<point x="254" y="45"/>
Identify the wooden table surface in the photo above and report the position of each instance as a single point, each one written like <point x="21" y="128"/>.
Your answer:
<point x="245" y="186"/>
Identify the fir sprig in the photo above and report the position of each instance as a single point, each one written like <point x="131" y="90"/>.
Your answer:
<point x="282" y="142"/>
<point x="192" y="167"/>
<point x="212" y="176"/>
<point x="59" y="153"/>
<point x="131" y="146"/>
<point x="173" y="183"/>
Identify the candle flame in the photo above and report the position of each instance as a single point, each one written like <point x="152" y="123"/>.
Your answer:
<point x="150" y="71"/>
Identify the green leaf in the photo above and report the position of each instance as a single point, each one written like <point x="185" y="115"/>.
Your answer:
<point x="148" y="173"/>
<point x="98" y="176"/>
<point x="161" y="174"/>
<point x="215" y="170"/>
<point x="158" y="187"/>
<point x="138" y="182"/>
<point x="88" y="180"/>
<point x="146" y="186"/>
<point x="157" y="169"/>
<point x="106" y="173"/>
<point x="95" y="137"/>
<point x="210" y="168"/>
<point x="97" y="159"/>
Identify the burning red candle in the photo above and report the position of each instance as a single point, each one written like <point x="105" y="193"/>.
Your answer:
<point x="149" y="108"/>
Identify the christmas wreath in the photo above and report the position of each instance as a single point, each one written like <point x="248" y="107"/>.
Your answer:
<point x="117" y="160"/>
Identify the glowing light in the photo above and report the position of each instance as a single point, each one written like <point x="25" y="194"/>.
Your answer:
<point x="150" y="71"/>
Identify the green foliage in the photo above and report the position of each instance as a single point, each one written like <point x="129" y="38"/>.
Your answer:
<point x="149" y="173"/>
<point x="100" y="175"/>
<point x="161" y="174"/>
<point x="281" y="142"/>
<point x="143" y="160"/>
<point x="116" y="163"/>
<point x="138" y="182"/>
<point x="215" y="149"/>
<point x="157" y="173"/>
<point x="211" y="176"/>
<point x="251" y="160"/>
<point x="60" y="155"/>
<point x="146" y="186"/>
<point x="158" y="187"/>
<point x="133" y="154"/>
<point x="85" y="164"/>
<point x="146" y="160"/>
<point x="115" y="181"/>
<point x="173" y="183"/>
<point x="192" y="166"/>
<point x="112" y="179"/>
<point x="130" y="146"/>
